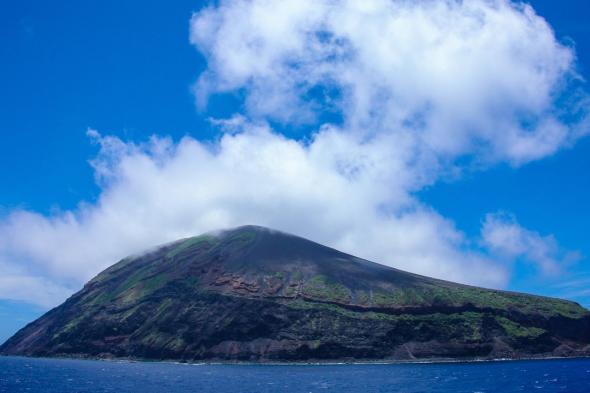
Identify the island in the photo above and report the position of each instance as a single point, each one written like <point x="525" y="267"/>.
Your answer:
<point x="253" y="294"/>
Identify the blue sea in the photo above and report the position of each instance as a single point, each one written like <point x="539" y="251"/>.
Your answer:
<point x="65" y="376"/>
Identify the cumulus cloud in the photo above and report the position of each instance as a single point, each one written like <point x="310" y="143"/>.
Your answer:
<point x="423" y="88"/>
<point x="503" y="235"/>
<point x="457" y="77"/>
<point x="16" y="284"/>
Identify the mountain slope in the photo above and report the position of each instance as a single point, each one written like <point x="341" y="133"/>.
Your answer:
<point x="255" y="294"/>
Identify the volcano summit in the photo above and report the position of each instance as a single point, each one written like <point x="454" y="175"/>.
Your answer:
<point x="254" y="294"/>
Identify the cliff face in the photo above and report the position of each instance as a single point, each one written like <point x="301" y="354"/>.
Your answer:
<point x="254" y="294"/>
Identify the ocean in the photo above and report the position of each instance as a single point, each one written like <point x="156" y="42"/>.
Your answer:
<point x="65" y="376"/>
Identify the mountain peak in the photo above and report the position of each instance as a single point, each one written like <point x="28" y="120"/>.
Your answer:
<point x="251" y="227"/>
<point x="254" y="293"/>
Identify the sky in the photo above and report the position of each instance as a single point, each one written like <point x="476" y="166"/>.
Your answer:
<point x="445" y="138"/>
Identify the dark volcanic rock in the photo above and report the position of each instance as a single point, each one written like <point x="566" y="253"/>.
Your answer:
<point x="254" y="294"/>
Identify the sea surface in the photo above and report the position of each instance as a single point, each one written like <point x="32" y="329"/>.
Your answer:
<point x="65" y="376"/>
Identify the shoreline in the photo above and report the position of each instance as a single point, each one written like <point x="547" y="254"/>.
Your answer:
<point x="305" y="363"/>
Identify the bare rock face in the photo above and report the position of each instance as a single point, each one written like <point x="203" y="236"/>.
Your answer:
<point x="254" y="294"/>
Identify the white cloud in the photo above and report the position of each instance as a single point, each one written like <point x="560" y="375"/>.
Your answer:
<point x="458" y="77"/>
<point x="503" y="235"/>
<point x="16" y="284"/>
<point x="422" y="86"/>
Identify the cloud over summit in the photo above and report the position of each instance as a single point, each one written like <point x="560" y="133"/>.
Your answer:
<point x="422" y="87"/>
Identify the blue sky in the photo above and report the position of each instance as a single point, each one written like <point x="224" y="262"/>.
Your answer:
<point x="129" y="70"/>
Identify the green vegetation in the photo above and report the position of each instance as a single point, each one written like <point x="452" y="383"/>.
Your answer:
<point x="110" y="272"/>
<point x="176" y="344"/>
<point x="363" y="297"/>
<point x="240" y="239"/>
<point x="506" y="301"/>
<point x="128" y="313"/>
<point x="297" y="276"/>
<point x="514" y="329"/>
<point x="190" y="243"/>
<point x="430" y="295"/>
<point x="290" y="291"/>
<point x="301" y="304"/>
<point x="140" y="284"/>
<point x="163" y="307"/>
<point x="322" y="287"/>
<point x="155" y="338"/>
<point x="71" y="325"/>
<point x="465" y="326"/>
<point x="383" y="298"/>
